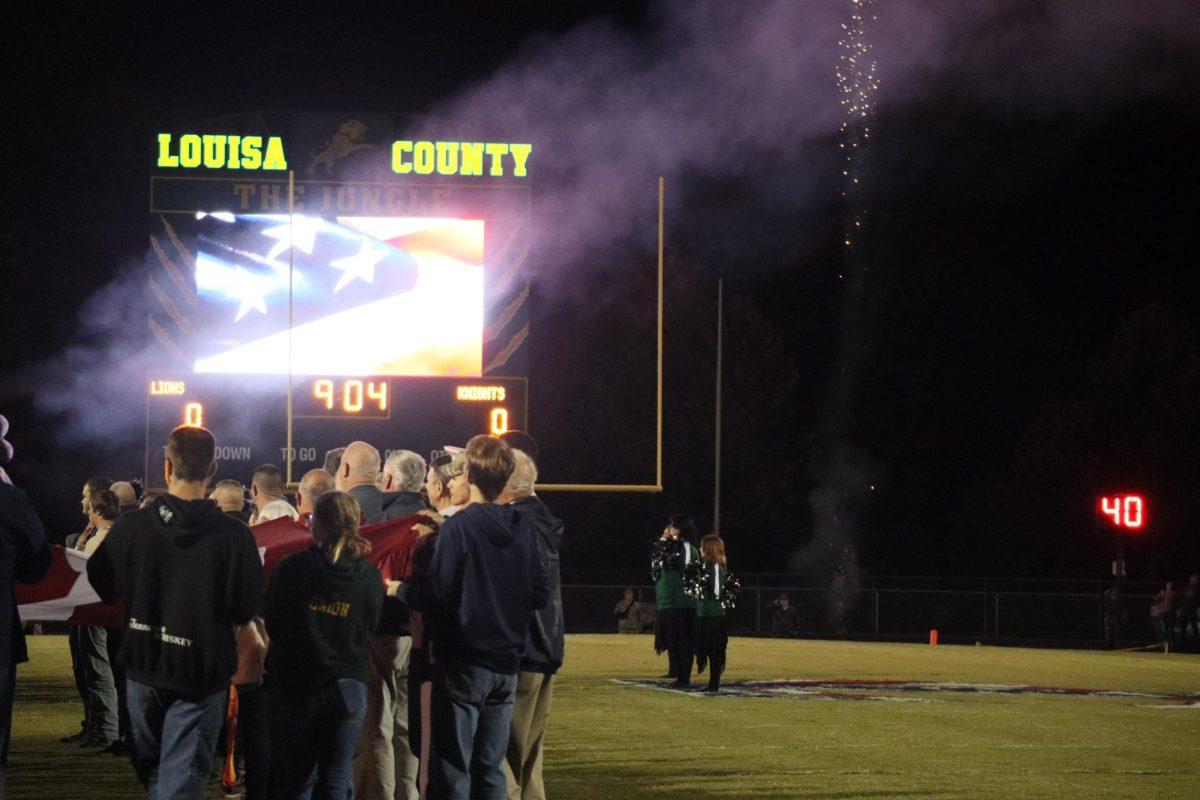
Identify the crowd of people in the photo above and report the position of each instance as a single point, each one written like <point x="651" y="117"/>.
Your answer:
<point x="427" y="671"/>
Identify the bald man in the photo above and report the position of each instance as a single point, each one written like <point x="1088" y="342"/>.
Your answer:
<point x="358" y="475"/>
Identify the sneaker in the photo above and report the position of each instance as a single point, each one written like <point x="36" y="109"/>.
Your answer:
<point x="74" y="738"/>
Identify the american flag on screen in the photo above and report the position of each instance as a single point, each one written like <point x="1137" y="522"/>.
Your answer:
<point x="352" y="295"/>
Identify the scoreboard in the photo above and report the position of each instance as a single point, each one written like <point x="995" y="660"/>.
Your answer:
<point x="249" y="415"/>
<point x="318" y="279"/>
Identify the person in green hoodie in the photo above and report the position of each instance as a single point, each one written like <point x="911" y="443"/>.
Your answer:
<point x="321" y="609"/>
<point x="676" y="617"/>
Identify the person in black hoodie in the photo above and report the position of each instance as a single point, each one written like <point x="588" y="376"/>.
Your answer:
<point x="543" y="644"/>
<point x="485" y="579"/>
<point x="188" y="574"/>
<point x="322" y="607"/>
<point x="25" y="557"/>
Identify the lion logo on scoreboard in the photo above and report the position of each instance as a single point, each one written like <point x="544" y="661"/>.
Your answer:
<point x="350" y="138"/>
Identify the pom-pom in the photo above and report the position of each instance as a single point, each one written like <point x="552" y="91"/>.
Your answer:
<point x="667" y="554"/>
<point x="733" y="588"/>
<point x="697" y="584"/>
<point x="695" y="579"/>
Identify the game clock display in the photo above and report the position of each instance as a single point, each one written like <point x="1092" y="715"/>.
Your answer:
<point x="248" y="415"/>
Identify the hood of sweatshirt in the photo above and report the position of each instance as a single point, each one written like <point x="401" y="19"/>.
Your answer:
<point x="348" y="568"/>
<point x="500" y="525"/>
<point x="186" y="520"/>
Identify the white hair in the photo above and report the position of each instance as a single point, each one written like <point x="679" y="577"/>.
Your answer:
<point x="407" y="470"/>
<point x="524" y="475"/>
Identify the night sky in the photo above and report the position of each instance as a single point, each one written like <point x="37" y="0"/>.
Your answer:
<point x="1012" y="333"/>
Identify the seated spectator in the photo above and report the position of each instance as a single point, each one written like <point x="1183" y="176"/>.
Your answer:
<point x="628" y="614"/>
<point x="784" y="619"/>
<point x="266" y="489"/>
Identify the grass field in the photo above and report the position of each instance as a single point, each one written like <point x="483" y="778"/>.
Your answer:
<point x="614" y="740"/>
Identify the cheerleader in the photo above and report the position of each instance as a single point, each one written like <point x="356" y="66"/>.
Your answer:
<point x="676" y="616"/>
<point x="715" y="591"/>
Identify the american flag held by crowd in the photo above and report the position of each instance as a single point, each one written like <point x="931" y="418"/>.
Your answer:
<point x="393" y="634"/>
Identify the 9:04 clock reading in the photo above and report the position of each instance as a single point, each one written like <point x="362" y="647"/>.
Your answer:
<point x="347" y="397"/>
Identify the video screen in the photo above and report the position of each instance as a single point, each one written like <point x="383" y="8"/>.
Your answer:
<point x="354" y="296"/>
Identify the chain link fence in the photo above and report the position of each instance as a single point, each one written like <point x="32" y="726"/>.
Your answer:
<point x="1061" y="613"/>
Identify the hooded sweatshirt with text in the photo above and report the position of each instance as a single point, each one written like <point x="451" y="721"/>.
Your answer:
<point x="188" y="574"/>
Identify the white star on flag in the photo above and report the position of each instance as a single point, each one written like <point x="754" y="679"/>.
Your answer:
<point x="300" y="233"/>
<point x="250" y="289"/>
<point x="361" y="265"/>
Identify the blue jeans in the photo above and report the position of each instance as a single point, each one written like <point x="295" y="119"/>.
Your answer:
<point x="174" y="739"/>
<point x="316" y="733"/>
<point x="472" y="709"/>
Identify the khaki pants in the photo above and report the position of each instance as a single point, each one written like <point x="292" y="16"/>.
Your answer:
<point x="531" y="713"/>
<point x="384" y="765"/>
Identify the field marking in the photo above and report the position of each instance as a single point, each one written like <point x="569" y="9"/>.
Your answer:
<point x="867" y="690"/>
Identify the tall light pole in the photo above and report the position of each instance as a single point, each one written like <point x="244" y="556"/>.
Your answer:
<point x="716" y="528"/>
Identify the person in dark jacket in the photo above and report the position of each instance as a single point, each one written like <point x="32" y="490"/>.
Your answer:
<point x="188" y="574"/>
<point x="401" y="481"/>
<point x="485" y="579"/>
<point x="321" y="609"/>
<point x="358" y="476"/>
<point x="25" y="557"/>
<point x="543" y="644"/>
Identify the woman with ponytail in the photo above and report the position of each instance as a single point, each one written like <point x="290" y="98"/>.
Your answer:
<point x="321" y="609"/>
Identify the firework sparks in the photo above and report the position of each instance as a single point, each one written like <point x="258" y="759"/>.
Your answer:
<point x="857" y="86"/>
